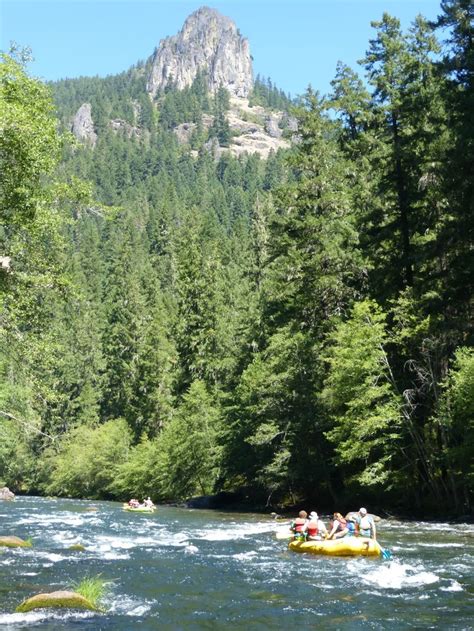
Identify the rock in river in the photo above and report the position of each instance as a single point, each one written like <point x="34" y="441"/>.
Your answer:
<point x="14" y="542"/>
<point x="61" y="599"/>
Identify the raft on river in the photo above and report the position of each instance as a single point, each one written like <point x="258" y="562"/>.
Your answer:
<point x="139" y="509"/>
<point x="345" y="547"/>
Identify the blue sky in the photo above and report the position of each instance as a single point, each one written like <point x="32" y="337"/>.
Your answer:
<point x="294" y="42"/>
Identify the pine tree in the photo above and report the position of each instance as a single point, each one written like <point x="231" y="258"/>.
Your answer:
<point x="125" y="300"/>
<point x="220" y="126"/>
<point x="455" y="233"/>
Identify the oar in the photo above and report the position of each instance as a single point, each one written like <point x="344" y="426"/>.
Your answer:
<point x="385" y="553"/>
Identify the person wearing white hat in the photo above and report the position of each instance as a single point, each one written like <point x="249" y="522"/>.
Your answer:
<point x="315" y="528"/>
<point x="366" y="524"/>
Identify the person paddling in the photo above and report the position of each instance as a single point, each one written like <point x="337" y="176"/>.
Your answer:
<point x="339" y="527"/>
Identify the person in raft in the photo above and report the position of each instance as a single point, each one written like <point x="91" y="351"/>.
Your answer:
<point x="339" y="527"/>
<point x="352" y="526"/>
<point x="133" y="503"/>
<point x="148" y="503"/>
<point x="366" y="524"/>
<point x="315" y="528"/>
<point x="297" y="526"/>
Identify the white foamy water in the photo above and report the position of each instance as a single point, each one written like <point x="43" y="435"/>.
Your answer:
<point x="52" y="557"/>
<point x="12" y="620"/>
<point x="130" y="606"/>
<point x="441" y="545"/>
<point x="234" y="531"/>
<point x="395" y="575"/>
<point x="453" y="587"/>
<point x="418" y="526"/>
<point x="64" y="519"/>
<point x="245" y="556"/>
<point x="212" y="561"/>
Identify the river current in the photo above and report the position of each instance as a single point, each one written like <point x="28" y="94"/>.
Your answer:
<point x="193" y="569"/>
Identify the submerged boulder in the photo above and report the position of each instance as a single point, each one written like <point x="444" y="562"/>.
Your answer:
<point x="14" y="542"/>
<point x="57" y="600"/>
<point x="77" y="547"/>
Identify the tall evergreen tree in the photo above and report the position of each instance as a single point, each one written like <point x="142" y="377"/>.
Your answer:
<point x="455" y="233"/>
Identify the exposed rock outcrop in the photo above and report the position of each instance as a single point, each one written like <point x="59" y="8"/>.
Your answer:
<point x="118" y="124"/>
<point x="272" y="126"/>
<point x="207" y="42"/>
<point x="249" y="127"/>
<point x="83" y="125"/>
<point x="60" y="599"/>
<point x="289" y="122"/>
<point x="184" y="132"/>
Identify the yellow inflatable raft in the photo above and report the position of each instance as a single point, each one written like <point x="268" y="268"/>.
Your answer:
<point x="139" y="509"/>
<point x="345" y="547"/>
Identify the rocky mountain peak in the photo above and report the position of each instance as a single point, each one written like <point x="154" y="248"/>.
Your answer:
<point x="83" y="126"/>
<point x="207" y="42"/>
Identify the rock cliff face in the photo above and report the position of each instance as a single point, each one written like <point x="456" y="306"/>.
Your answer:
<point x="208" y="41"/>
<point x="83" y="125"/>
<point x="250" y="127"/>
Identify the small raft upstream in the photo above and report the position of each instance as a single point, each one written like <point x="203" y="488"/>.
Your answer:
<point x="346" y="547"/>
<point x="139" y="509"/>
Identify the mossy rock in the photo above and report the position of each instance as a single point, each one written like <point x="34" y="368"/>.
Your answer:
<point x="77" y="547"/>
<point x="14" y="542"/>
<point x="56" y="600"/>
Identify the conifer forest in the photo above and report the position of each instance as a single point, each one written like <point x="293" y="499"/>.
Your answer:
<point x="176" y="321"/>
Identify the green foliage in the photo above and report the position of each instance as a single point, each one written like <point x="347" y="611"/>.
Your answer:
<point x="220" y="126"/>
<point x="267" y="417"/>
<point x="29" y="143"/>
<point x="265" y="94"/>
<point x="317" y="263"/>
<point x="93" y="588"/>
<point x="300" y="326"/>
<point x="85" y="462"/>
<point x="455" y="420"/>
<point x="140" y="474"/>
<point x="359" y="394"/>
<point x="188" y="444"/>
<point x="185" y="106"/>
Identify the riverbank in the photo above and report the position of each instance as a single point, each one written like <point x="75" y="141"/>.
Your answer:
<point x="235" y="503"/>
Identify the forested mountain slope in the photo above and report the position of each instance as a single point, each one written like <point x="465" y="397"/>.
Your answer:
<point x="183" y="314"/>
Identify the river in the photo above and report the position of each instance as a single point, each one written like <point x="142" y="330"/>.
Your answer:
<point x="193" y="569"/>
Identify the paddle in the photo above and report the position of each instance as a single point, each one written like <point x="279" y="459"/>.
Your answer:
<point x="385" y="553"/>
